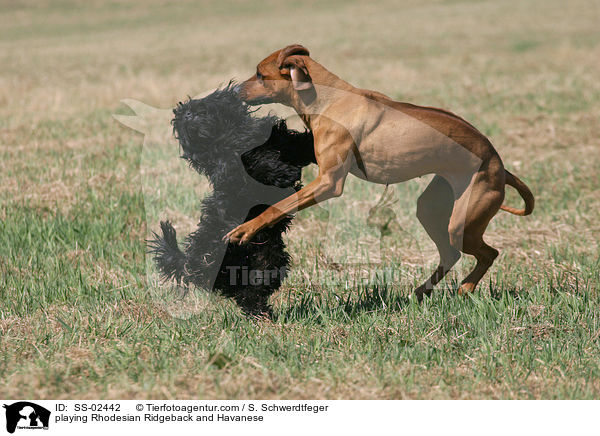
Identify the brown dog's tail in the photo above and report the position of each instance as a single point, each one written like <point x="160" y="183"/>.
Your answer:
<point x="524" y="192"/>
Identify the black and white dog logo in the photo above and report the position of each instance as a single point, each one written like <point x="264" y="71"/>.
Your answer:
<point x="26" y="415"/>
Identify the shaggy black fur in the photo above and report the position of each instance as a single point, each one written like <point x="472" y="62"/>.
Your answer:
<point x="251" y="163"/>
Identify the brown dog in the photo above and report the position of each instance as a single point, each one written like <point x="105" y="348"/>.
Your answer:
<point x="383" y="141"/>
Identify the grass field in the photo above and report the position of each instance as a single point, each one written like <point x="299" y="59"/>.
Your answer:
<point x="78" y="316"/>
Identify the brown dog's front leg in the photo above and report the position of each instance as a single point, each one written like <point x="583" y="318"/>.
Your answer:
<point x="320" y="189"/>
<point x="333" y="169"/>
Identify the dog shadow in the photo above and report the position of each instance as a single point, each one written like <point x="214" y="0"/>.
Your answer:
<point x="321" y="308"/>
<point x="499" y="292"/>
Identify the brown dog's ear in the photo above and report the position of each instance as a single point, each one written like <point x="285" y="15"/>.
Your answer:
<point x="300" y="80"/>
<point x="290" y="50"/>
<point x="290" y="59"/>
<point x="295" y="67"/>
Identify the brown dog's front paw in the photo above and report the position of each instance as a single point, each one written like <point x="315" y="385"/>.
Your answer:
<point x="242" y="234"/>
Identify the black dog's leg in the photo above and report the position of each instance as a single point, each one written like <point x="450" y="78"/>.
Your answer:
<point x="255" y="303"/>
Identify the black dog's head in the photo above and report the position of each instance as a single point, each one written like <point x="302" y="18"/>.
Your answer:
<point x="218" y="128"/>
<point x="221" y="139"/>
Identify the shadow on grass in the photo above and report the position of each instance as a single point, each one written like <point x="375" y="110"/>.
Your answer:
<point x="320" y="308"/>
<point x="500" y="292"/>
<point x="323" y="307"/>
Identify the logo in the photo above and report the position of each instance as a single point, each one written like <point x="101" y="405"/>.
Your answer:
<point x="26" y="415"/>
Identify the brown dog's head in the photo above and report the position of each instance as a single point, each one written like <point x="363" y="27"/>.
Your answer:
<point x="279" y="77"/>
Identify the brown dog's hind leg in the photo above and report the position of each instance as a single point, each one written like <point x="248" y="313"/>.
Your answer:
<point x="434" y="208"/>
<point x="485" y="256"/>
<point x="484" y="197"/>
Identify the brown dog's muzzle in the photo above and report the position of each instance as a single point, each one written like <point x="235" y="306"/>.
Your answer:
<point x="252" y="93"/>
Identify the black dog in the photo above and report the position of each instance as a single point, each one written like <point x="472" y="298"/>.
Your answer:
<point x="251" y="163"/>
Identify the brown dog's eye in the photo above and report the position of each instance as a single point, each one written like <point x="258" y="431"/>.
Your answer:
<point x="259" y="76"/>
